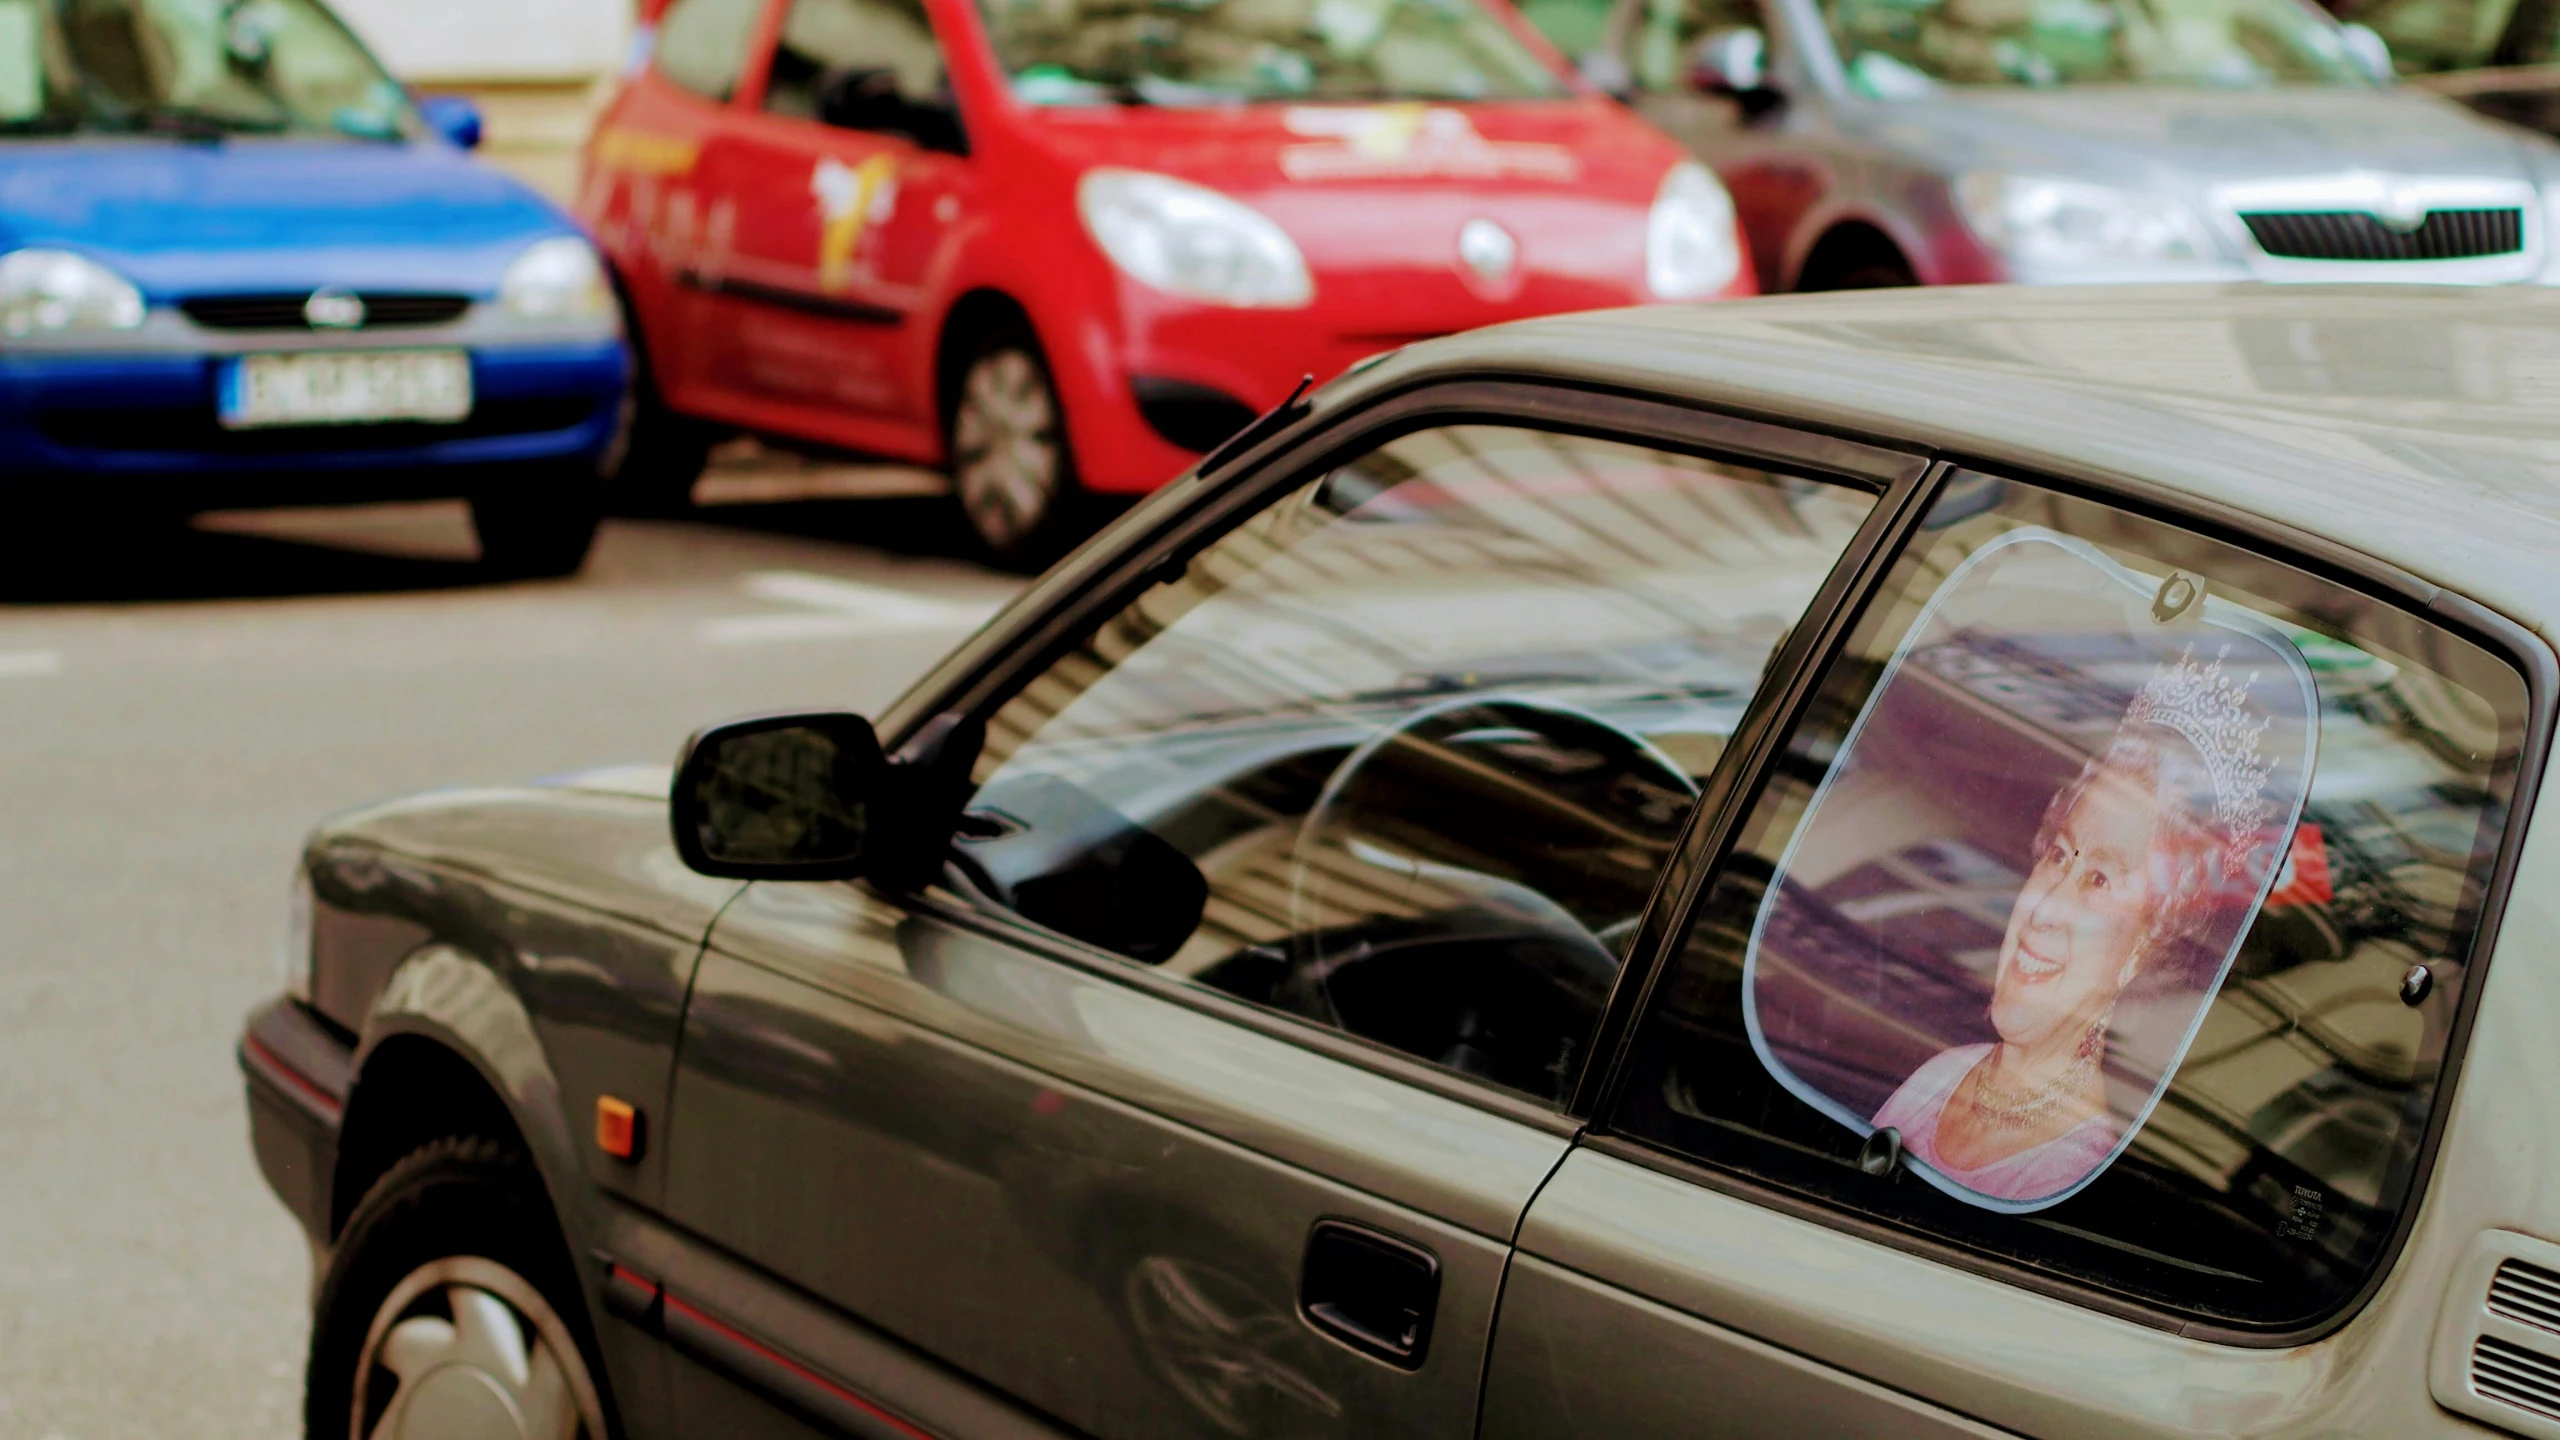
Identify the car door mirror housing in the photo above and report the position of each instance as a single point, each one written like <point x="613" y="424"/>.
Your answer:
<point x="2370" y="52"/>
<point x="781" y="797"/>
<point x="452" y="117"/>
<point x="1734" y="63"/>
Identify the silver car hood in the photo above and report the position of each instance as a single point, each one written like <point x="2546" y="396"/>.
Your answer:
<point x="2397" y="154"/>
<point x="2185" y="140"/>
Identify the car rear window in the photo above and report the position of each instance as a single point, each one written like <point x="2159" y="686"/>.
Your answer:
<point x="2107" y="915"/>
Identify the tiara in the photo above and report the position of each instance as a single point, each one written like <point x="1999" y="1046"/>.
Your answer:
<point x="2211" y="710"/>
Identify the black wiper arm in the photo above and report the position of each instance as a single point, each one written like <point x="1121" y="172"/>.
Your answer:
<point x="185" y="122"/>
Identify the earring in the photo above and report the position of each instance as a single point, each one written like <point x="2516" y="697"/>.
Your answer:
<point x="2093" y="1041"/>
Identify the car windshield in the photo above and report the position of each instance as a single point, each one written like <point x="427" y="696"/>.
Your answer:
<point x="192" y="68"/>
<point x="1186" y="52"/>
<point x="1907" y="49"/>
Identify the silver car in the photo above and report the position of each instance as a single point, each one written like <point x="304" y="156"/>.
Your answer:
<point x="1933" y="865"/>
<point x="1896" y="142"/>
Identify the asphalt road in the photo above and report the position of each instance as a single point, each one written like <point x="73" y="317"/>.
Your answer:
<point x="180" y="707"/>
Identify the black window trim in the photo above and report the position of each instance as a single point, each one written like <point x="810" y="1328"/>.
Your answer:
<point x="1191" y="514"/>
<point x="2275" y="540"/>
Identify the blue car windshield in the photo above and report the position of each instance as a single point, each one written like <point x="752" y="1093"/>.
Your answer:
<point x="1207" y="52"/>
<point x="1907" y="49"/>
<point x="191" y="68"/>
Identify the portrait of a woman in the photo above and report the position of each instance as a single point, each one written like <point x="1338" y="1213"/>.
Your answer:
<point x="2130" y="858"/>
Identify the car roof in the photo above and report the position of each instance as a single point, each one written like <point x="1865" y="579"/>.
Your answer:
<point x="2419" y="425"/>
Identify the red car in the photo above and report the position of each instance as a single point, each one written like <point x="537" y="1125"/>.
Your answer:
<point x="1063" y="247"/>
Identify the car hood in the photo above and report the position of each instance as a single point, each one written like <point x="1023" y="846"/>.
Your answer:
<point x="1376" y="196"/>
<point x="2196" y="141"/>
<point x="1582" y="146"/>
<point x="180" y="218"/>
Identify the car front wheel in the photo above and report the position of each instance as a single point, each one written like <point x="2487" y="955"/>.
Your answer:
<point x="1010" y="465"/>
<point x="537" y="525"/>
<point x="448" y="1308"/>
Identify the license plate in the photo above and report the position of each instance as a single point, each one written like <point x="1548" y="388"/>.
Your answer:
<point x="345" y="387"/>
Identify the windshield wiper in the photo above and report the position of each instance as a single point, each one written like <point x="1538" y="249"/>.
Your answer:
<point x="183" y="122"/>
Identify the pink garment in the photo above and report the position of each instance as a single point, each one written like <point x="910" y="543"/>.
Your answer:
<point x="2047" y="1169"/>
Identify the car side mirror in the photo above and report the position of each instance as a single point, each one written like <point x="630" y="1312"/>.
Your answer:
<point x="454" y="118"/>
<point x="2370" y="52"/>
<point x="780" y="797"/>
<point x="1734" y="63"/>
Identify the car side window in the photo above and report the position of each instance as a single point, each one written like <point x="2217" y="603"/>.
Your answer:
<point x="825" y="39"/>
<point x="2106" y="916"/>
<point x="1403" y="753"/>
<point x="702" y="44"/>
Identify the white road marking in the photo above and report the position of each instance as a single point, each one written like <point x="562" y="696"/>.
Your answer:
<point x="17" y="664"/>
<point x="833" y="608"/>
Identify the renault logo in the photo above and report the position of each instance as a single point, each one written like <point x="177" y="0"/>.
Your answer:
<point x="1487" y="249"/>
<point x="334" y="309"/>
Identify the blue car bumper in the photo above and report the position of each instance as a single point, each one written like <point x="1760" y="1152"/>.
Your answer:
<point x="143" y="427"/>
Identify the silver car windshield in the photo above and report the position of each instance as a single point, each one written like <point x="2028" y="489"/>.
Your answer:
<point x="1908" y="49"/>
<point x="189" y="68"/>
<point x="1178" y="52"/>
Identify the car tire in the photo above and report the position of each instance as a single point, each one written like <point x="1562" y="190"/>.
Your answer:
<point x="450" y="1308"/>
<point x="1011" y="468"/>
<point x="539" y="524"/>
<point x="659" y="455"/>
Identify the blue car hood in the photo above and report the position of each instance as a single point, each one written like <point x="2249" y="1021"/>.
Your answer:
<point x="271" y="214"/>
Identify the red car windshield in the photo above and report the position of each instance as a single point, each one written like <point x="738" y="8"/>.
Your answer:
<point x="190" y="66"/>
<point x="1180" y="52"/>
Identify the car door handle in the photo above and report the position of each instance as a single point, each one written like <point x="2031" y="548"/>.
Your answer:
<point x="1371" y="1291"/>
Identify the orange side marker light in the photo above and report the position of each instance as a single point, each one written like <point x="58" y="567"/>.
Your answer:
<point x="617" y="1128"/>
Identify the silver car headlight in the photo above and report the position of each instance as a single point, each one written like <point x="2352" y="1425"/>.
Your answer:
<point x="1189" y="240"/>
<point x="1691" y="248"/>
<point x="55" y="292"/>
<point x="2044" y="223"/>
<point x="293" y="952"/>
<point x="557" y="279"/>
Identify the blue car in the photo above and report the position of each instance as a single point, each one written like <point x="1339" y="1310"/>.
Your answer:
<point x="240" y="267"/>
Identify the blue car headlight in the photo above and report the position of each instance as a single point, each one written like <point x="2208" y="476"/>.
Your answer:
<point x="55" y="292"/>
<point x="557" y="279"/>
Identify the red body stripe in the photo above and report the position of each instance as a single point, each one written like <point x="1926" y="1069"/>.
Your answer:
<point x="291" y="1076"/>
<point x="794" y="1366"/>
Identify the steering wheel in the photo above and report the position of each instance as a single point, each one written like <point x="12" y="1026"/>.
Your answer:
<point x="1466" y="880"/>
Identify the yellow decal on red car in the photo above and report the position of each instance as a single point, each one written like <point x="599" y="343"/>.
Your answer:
<point x="642" y="153"/>
<point x="851" y="199"/>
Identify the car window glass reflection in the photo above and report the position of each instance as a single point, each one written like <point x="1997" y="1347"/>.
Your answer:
<point x="1403" y="754"/>
<point x="821" y="37"/>
<point x="191" y="67"/>
<point x="2266" y="1176"/>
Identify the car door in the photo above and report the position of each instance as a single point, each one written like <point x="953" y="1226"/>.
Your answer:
<point x="1825" y="1194"/>
<point x="663" y="190"/>
<point x="1204" y="1094"/>
<point x="846" y="217"/>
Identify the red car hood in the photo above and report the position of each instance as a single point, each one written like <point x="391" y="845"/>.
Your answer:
<point x="1361" y="187"/>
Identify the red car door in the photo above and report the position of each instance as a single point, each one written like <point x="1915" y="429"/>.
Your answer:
<point x="849" y="187"/>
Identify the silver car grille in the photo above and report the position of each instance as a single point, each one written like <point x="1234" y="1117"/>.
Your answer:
<point x="2360" y="235"/>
